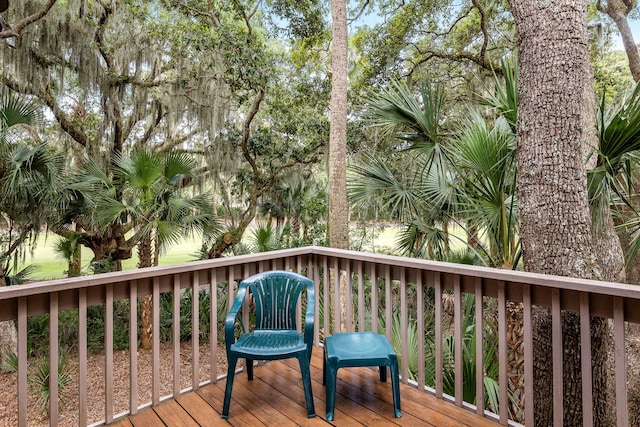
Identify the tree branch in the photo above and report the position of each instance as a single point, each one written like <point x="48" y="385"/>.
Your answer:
<point x="246" y="133"/>
<point x="482" y="61"/>
<point x="360" y="12"/>
<point x="16" y="243"/>
<point x="111" y="69"/>
<point x="67" y="125"/>
<point x="23" y="23"/>
<point x="483" y="28"/>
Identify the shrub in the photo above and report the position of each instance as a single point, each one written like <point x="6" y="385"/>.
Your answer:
<point x="39" y="378"/>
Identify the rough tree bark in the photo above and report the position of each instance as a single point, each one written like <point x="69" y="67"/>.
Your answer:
<point x="146" y="302"/>
<point x="338" y="203"/>
<point x="555" y="220"/>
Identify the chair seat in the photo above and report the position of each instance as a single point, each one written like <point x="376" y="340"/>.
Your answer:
<point x="270" y="342"/>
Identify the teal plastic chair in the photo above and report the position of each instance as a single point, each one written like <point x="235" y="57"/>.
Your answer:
<point x="275" y="336"/>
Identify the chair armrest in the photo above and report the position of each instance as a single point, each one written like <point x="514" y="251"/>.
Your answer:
<point x="230" y="322"/>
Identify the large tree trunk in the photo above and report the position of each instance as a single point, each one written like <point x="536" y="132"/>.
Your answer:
<point x="555" y="221"/>
<point x="338" y="203"/>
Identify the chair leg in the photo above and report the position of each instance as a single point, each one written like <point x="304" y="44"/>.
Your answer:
<point x="227" y="391"/>
<point x="395" y="385"/>
<point x="324" y="366"/>
<point x="249" y="367"/>
<point x="383" y="373"/>
<point x="306" y="382"/>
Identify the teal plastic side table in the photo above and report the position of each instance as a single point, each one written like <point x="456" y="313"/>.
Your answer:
<point x="354" y="349"/>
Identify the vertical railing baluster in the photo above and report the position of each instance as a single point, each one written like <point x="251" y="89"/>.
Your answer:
<point x="527" y="318"/>
<point x="349" y="298"/>
<point x="245" y="303"/>
<point x="230" y="287"/>
<point x="108" y="353"/>
<point x="195" y="330"/>
<point x="326" y="303"/>
<point x="155" y="359"/>
<point x="245" y="308"/>
<point x="374" y="298"/>
<point x="300" y="321"/>
<point x="479" y="346"/>
<point x="621" y="363"/>
<point x="133" y="347"/>
<point x="337" y="312"/>
<point x="438" y="305"/>
<point x="388" y="303"/>
<point x="314" y="274"/>
<point x="175" y="334"/>
<point x="420" y="321"/>
<point x="404" y="324"/>
<point x="585" y="360"/>
<point x="556" y="339"/>
<point x="213" y="325"/>
<point x="503" y="371"/>
<point x="54" y="355"/>
<point x="361" y="297"/>
<point x="458" y="332"/>
<point x="82" y="357"/>
<point x="22" y="361"/>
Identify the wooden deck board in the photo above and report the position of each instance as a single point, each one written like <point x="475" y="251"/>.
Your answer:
<point x="172" y="414"/>
<point x="198" y="408"/>
<point x="275" y="398"/>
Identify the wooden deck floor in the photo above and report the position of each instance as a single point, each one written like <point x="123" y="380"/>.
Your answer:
<point x="275" y="398"/>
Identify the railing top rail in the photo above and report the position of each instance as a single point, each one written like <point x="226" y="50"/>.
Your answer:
<point x="510" y="276"/>
<point x="46" y="286"/>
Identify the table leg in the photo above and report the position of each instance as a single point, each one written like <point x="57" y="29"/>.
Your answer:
<point x="331" y="373"/>
<point x="395" y="384"/>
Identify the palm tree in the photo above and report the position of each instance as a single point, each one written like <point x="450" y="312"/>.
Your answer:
<point x="29" y="185"/>
<point x="612" y="181"/>
<point x="146" y="195"/>
<point x="467" y="179"/>
<point x="293" y="203"/>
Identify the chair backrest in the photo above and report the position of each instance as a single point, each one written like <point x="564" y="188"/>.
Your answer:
<point x="276" y="294"/>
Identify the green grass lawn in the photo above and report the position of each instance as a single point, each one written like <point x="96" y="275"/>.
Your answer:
<point x="51" y="266"/>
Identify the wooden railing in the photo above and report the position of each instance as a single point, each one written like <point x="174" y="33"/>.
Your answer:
<point x="378" y="289"/>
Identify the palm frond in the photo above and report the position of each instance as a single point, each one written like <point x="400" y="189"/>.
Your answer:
<point x="505" y="97"/>
<point x="16" y="110"/>
<point x="372" y="178"/>
<point x="396" y="109"/>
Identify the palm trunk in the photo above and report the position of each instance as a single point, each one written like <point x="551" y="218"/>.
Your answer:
<point x="144" y="260"/>
<point x="338" y="202"/>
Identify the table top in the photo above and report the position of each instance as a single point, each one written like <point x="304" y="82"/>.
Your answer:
<point x="358" y="345"/>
